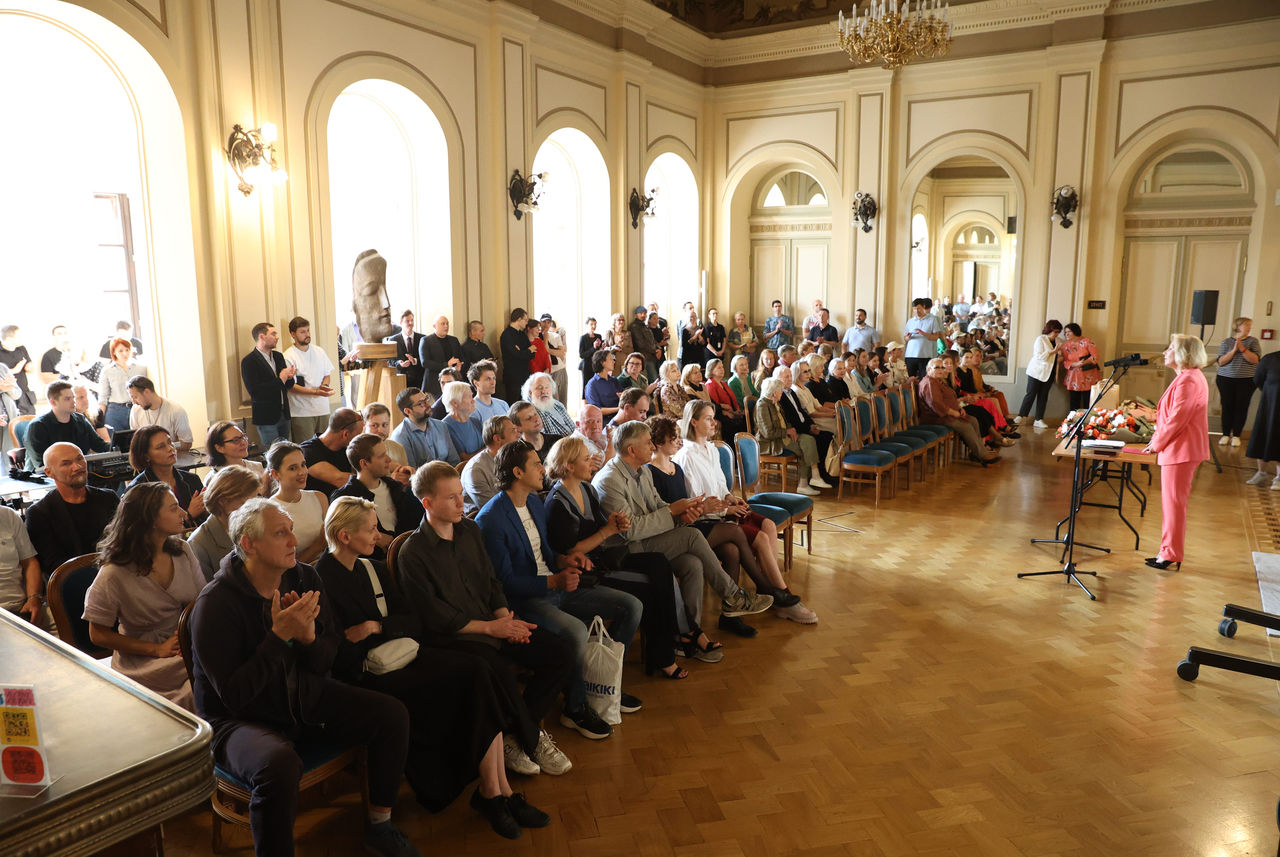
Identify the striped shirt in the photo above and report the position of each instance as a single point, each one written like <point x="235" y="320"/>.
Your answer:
<point x="1238" y="367"/>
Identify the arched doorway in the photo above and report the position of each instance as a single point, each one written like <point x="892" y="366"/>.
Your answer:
<point x="671" y="235"/>
<point x="571" y="239"/>
<point x="389" y="191"/>
<point x="790" y="226"/>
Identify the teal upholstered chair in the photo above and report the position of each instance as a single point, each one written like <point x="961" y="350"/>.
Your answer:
<point x="797" y="508"/>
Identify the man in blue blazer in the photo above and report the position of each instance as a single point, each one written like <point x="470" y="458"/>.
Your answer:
<point x="545" y="587"/>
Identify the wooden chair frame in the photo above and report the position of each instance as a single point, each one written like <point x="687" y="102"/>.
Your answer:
<point x="851" y="472"/>
<point x="882" y="417"/>
<point x="896" y="395"/>
<point x="787" y="530"/>
<point x="911" y="416"/>
<point x="58" y="608"/>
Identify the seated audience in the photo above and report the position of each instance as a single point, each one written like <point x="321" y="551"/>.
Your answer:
<point x="778" y="438"/>
<point x="449" y="583"/>
<point x="456" y="704"/>
<point x="528" y="422"/>
<point x="60" y="425"/>
<point x="398" y="511"/>
<point x="591" y="432"/>
<point x="788" y="354"/>
<point x="540" y="391"/>
<point x="460" y="417"/>
<point x="672" y="394"/>
<point x="147" y="574"/>
<point x="263" y="640"/>
<point x="768" y="362"/>
<point x="306" y="508"/>
<point x="577" y="524"/>
<point x="447" y="375"/>
<point x="228" y="490"/>
<point x="480" y="476"/>
<point x="149" y="409"/>
<point x="797" y="417"/>
<point x="633" y="374"/>
<point x="113" y="384"/>
<point x="822" y="412"/>
<point x="991" y="424"/>
<point x="423" y="438"/>
<point x="728" y="411"/>
<point x="974" y="364"/>
<point x="603" y="389"/>
<point x="693" y="383"/>
<point x="633" y="404"/>
<point x="543" y="586"/>
<point x="835" y="388"/>
<point x="624" y="484"/>
<point x="326" y="453"/>
<point x="87" y="407"/>
<point x="377" y="420"/>
<point x="226" y="445"/>
<point x="151" y="453"/>
<point x="21" y="579"/>
<point x="700" y="461"/>
<point x="483" y="376"/>
<point x="742" y="384"/>
<point x="939" y="405"/>
<point x="69" y="521"/>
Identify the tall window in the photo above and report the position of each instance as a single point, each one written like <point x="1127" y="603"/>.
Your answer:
<point x="113" y="263"/>
<point x="671" y="238"/>
<point x="920" y="281"/>
<point x="389" y="191"/>
<point x="572" y="275"/>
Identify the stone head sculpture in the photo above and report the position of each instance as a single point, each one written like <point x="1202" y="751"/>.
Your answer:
<point x="369" y="296"/>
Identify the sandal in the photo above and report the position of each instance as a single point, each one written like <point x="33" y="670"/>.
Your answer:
<point x="713" y="653"/>
<point x="675" y="675"/>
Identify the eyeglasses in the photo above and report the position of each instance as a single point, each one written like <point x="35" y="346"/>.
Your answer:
<point x="238" y="438"/>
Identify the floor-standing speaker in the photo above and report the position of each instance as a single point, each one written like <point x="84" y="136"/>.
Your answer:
<point x="1204" y="307"/>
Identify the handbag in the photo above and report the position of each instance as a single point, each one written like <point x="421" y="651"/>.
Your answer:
<point x="602" y="672"/>
<point x="1088" y="366"/>
<point x="393" y="654"/>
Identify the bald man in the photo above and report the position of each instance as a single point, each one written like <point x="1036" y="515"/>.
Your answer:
<point x="590" y="424"/>
<point x="326" y="454"/>
<point x="438" y="350"/>
<point x="68" y="521"/>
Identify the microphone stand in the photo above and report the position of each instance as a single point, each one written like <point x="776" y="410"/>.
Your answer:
<point x="1078" y="485"/>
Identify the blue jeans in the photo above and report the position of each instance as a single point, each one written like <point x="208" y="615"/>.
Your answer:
<point x="118" y="416"/>
<point x="269" y="434"/>
<point x="567" y="615"/>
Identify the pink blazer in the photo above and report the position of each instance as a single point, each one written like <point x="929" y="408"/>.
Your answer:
<point x="1182" y="420"/>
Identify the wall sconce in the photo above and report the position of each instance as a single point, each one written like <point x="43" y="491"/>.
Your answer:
<point x="524" y="192"/>
<point x="252" y="155"/>
<point x="641" y="206"/>
<point x="1065" y="203"/>
<point x="864" y="210"/>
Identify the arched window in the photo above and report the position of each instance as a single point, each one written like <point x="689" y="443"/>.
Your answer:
<point x="671" y="236"/>
<point x="389" y="191"/>
<point x="572" y="275"/>
<point x="920" y="281"/>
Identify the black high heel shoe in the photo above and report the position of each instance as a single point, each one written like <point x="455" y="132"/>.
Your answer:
<point x="1162" y="564"/>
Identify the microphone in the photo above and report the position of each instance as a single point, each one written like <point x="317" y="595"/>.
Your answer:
<point x="1128" y="360"/>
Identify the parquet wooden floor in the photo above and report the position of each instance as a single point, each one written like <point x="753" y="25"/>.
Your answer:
<point x="942" y="706"/>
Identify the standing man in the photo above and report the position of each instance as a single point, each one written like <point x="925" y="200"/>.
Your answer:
<point x="643" y="342"/>
<point x="779" y="329"/>
<point x="824" y="330"/>
<point x="149" y="409"/>
<point x="860" y="334"/>
<point x="517" y="352"/>
<point x="663" y="336"/>
<point x="60" y="425"/>
<point x="69" y="521"/>
<point x="423" y="438"/>
<point x="813" y="319"/>
<point x="14" y="355"/>
<point x="483" y="375"/>
<point x="553" y="336"/>
<point x="923" y="331"/>
<point x="474" y="348"/>
<point x="438" y="350"/>
<point x="961" y="311"/>
<point x="408" y="343"/>
<point x="309" y="396"/>
<point x="124" y="330"/>
<point x="268" y="378"/>
<point x="62" y="362"/>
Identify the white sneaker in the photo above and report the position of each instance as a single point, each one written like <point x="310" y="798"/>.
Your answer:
<point x="803" y="488"/>
<point x="1275" y="484"/>
<point x="797" y="613"/>
<point x="1041" y="424"/>
<point x="517" y="760"/>
<point x="1235" y="441"/>
<point x="1256" y="479"/>
<point x="1224" y="440"/>
<point x="549" y="757"/>
<point x="818" y="482"/>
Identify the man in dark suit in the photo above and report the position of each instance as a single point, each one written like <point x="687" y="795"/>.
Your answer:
<point x="437" y="351"/>
<point x="517" y="351"/>
<point x="408" y="343"/>
<point x="69" y="521"/>
<point x="268" y="378"/>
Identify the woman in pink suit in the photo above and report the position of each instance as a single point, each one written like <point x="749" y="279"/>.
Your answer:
<point x="1181" y="442"/>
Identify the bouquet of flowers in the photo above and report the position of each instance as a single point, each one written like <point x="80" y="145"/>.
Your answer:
<point x="1109" y="424"/>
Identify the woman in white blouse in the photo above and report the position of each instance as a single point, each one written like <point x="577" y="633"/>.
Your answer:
<point x="113" y="384"/>
<point x="1044" y="354"/>
<point x="700" y="461"/>
<point x="288" y="466"/>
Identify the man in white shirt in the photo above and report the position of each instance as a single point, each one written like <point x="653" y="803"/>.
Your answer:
<point x="860" y="334"/>
<point x="813" y="319"/>
<point x="961" y="311"/>
<point x="309" y="396"/>
<point x="149" y="409"/>
<point x="483" y="375"/>
<point x="591" y="431"/>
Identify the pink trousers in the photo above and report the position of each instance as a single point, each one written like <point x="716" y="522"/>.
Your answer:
<point x="1175" y="492"/>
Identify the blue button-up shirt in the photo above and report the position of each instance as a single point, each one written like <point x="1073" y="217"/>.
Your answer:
<point x="433" y="443"/>
<point x="774" y="323"/>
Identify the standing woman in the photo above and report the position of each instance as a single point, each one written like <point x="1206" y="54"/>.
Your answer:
<point x="1238" y="357"/>
<point x="1182" y="442"/>
<point x="1264" y="442"/>
<point x="288" y="466"/>
<point x="151" y="453"/>
<point x="618" y="338"/>
<point x="693" y="342"/>
<point x="148" y="575"/>
<point x="1080" y="359"/>
<point x="113" y="384"/>
<point x="742" y="340"/>
<point x="1044" y="353"/>
<point x="588" y="344"/>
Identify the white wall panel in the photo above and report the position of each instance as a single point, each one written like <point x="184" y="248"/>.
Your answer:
<point x="555" y="90"/>
<point x="662" y="124"/>
<point x="1005" y="115"/>
<point x="816" y="129"/>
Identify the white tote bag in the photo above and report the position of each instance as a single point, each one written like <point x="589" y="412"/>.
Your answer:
<point x="602" y="672"/>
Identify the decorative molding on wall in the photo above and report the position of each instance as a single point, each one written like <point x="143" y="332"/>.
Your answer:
<point x="1252" y="92"/>
<point x="744" y="134"/>
<point x="663" y="122"/>
<point x="555" y="90"/>
<point x="1008" y="114"/>
<point x="154" y="10"/>
<point x="1135" y="224"/>
<point x="773" y="228"/>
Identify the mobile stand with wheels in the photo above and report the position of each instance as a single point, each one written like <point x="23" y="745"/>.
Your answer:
<point x="1189" y="667"/>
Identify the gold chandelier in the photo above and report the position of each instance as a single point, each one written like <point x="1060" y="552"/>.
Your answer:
<point x="895" y="31"/>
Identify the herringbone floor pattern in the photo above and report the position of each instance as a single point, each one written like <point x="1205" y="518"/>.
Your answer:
<point x="942" y="706"/>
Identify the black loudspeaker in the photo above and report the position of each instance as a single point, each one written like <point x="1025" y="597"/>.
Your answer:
<point x="1012" y="226"/>
<point x="1204" y="306"/>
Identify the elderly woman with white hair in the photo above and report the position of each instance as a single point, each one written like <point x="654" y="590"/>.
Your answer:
<point x="671" y="392"/>
<point x="540" y="391"/>
<point x="778" y="438"/>
<point x="1181" y="442"/>
<point x="460" y="416"/>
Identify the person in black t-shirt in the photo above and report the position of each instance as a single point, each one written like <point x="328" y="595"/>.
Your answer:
<point x="15" y="355"/>
<point x="61" y="424"/>
<point x="124" y="330"/>
<point x="68" y="522"/>
<point x="326" y="454"/>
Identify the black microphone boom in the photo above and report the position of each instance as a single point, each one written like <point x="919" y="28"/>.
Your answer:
<point x="1129" y="360"/>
